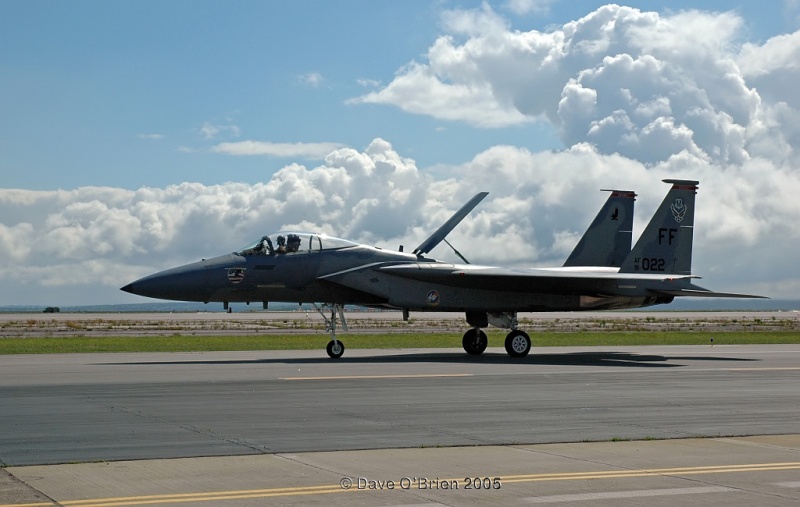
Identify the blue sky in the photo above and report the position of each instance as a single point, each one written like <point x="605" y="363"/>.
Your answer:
<point x="139" y="135"/>
<point x="118" y="93"/>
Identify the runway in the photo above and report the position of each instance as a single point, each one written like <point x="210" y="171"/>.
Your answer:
<point x="87" y="407"/>
<point x="272" y="405"/>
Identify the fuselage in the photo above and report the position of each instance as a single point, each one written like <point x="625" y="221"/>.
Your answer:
<point x="348" y="273"/>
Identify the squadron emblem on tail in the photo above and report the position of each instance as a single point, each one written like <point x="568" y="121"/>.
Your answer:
<point x="678" y="210"/>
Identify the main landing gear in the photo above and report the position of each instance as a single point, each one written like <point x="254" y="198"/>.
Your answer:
<point x="518" y="343"/>
<point x="475" y="341"/>
<point x="335" y="347"/>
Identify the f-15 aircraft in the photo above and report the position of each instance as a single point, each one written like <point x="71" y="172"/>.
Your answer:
<point x="601" y="273"/>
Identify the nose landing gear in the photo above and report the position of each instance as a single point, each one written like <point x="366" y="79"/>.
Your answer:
<point x="335" y="348"/>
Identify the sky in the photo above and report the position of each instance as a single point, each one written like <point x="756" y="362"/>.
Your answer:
<point x="139" y="135"/>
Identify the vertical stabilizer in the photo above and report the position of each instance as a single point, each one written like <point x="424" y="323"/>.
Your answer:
<point x="665" y="246"/>
<point x="607" y="241"/>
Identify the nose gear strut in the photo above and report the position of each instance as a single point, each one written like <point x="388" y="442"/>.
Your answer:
<point x="335" y="347"/>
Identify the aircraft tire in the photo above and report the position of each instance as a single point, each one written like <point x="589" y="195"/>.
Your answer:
<point x="518" y="343"/>
<point x="475" y="341"/>
<point x="335" y="349"/>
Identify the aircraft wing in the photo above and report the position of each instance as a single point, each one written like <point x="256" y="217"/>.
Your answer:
<point x="553" y="280"/>
<point x="701" y="292"/>
<point x="424" y="271"/>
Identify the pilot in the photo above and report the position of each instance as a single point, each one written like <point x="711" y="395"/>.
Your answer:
<point x="281" y="245"/>
<point x="294" y="243"/>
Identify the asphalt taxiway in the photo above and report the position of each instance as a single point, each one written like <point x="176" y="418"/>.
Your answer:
<point x="255" y="425"/>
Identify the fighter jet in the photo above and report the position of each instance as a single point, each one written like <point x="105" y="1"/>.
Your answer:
<point x="317" y="268"/>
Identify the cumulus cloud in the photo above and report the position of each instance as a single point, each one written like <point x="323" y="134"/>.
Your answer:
<point x="641" y="84"/>
<point x="300" y="150"/>
<point x="637" y="97"/>
<point x="102" y="238"/>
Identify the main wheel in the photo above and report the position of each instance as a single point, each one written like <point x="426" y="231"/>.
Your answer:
<point x="518" y="343"/>
<point x="335" y="349"/>
<point x="475" y="341"/>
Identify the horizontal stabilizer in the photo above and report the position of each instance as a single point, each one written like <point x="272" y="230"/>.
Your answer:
<point x="707" y="294"/>
<point x="442" y="232"/>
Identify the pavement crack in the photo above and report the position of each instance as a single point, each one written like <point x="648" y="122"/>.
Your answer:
<point x="206" y="432"/>
<point x="10" y="484"/>
<point x="430" y="429"/>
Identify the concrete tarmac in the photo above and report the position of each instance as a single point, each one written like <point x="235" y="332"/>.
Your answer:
<point x="727" y="472"/>
<point x="288" y="426"/>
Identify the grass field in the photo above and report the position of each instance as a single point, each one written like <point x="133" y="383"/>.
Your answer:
<point x="182" y="343"/>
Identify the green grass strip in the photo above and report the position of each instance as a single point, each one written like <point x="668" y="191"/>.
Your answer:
<point x="187" y="343"/>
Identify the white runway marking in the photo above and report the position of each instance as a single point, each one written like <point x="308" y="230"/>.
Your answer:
<point x="793" y="484"/>
<point x="610" y="495"/>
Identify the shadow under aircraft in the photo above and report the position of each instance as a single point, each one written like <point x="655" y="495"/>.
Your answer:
<point x="602" y="273"/>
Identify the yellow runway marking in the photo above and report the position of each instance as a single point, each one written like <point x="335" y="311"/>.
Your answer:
<point x="337" y="488"/>
<point x="372" y="377"/>
<point x="616" y="474"/>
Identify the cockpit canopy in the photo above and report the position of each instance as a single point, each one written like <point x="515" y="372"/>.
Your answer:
<point x="293" y="243"/>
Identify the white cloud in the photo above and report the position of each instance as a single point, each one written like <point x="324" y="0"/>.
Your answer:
<point x="522" y="7"/>
<point x="637" y="97"/>
<point x="312" y="79"/>
<point x="97" y="239"/>
<point x="642" y="84"/>
<point x="470" y="102"/>
<point x="285" y="150"/>
<point x="151" y="137"/>
<point x="209" y="131"/>
<point x="368" y="83"/>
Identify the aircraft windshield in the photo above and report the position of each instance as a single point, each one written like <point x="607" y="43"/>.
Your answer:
<point x="293" y="243"/>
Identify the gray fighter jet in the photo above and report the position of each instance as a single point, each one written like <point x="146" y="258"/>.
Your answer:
<point x="600" y="274"/>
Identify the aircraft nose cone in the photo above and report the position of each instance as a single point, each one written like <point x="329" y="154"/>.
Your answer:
<point x="184" y="283"/>
<point x="189" y="282"/>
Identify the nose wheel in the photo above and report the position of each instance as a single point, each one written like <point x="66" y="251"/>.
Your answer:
<point x="335" y="349"/>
